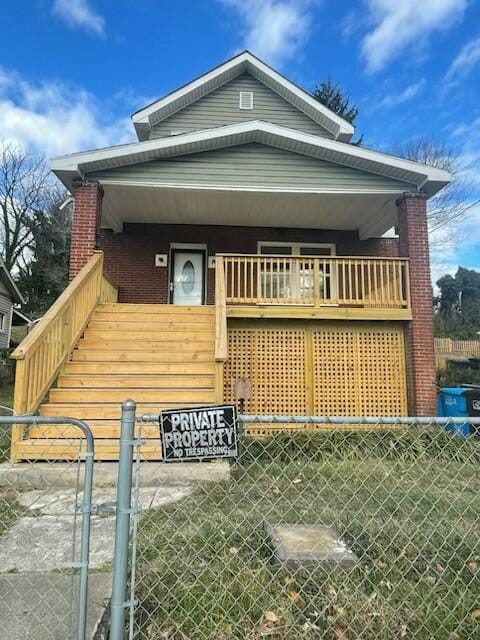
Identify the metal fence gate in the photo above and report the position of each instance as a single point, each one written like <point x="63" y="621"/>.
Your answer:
<point x="322" y="528"/>
<point x="45" y="517"/>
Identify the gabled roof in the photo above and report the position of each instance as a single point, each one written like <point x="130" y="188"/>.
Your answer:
<point x="157" y="111"/>
<point x="428" y="179"/>
<point x="10" y="284"/>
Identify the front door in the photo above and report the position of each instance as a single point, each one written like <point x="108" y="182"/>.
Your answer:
<point x="187" y="277"/>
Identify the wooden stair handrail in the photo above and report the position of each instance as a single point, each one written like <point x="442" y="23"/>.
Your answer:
<point x="46" y="348"/>
<point x="57" y="307"/>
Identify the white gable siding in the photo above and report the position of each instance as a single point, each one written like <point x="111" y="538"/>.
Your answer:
<point x="251" y="165"/>
<point x="221" y="107"/>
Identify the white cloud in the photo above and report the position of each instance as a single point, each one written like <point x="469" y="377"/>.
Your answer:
<point x="464" y="63"/>
<point x="453" y="255"/>
<point x="400" y="24"/>
<point x="54" y="119"/>
<point x="274" y="30"/>
<point x="78" y="14"/>
<point x="394" y="99"/>
<point x="466" y="137"/>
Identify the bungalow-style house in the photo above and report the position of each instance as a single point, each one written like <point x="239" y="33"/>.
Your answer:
<point x="9" y="296"/>
<point x="241" y="236"/>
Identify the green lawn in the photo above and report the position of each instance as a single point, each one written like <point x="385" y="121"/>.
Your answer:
<point x="407" y="505"/>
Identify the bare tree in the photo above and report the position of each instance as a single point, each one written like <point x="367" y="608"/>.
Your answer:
<point x="454" y="202"/>
<point x="26" y="188"/>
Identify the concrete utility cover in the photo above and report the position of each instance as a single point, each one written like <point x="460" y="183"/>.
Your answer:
<point x="36" y="606"/>
<point x="301" y="545"/>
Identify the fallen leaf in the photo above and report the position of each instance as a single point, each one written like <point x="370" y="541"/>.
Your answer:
<point x="341" y="611"/>
<point x="233" y="550"/>
<point x="385" y="583"/>
<point x="270" y="616"/>
<point x="331" y="592"/>
<point x="439" y="567"/>
<point x="297" y="481"/>
<point x="402" y="631"/>
<point x="381" y="564"/>
<point x="476" y="614"/>
<point x="295" y="597"/>
<point x="473" y="566"/>
<point x="431" y="579"/>
<point x="340" y="631"/>
<point x="288" y="580"/>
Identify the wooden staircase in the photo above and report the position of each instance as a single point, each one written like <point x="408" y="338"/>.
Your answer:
<point x="161" y="356"/>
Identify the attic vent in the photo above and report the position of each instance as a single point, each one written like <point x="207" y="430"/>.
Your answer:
<point x="246" y="100"/>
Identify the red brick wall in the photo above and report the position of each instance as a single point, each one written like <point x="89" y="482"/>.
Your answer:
<point x="86" y="221"/>
<point x="413" y="243"/>
<point x="130" y="256"/>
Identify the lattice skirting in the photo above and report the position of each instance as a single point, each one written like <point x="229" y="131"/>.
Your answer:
<point x="318" y="368"/>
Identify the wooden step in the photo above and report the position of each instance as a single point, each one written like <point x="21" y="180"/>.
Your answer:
<point x="147" y="345"/>
<point x="122" y="368"/>
<point x="122" y="316"/>
<point x="104" y="411"/>
<point x="68" y="449"/>
<point x="163" y="356"/>
<point x="125" y="307"/>
<point x="112" y="396"/>
<point x="140" y="336"/>
<point x="100" y="429"/>
<point x="139" y="328"/>
<point x="131" y="381"/>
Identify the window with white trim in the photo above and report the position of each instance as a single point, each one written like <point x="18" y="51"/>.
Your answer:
<point x="296" y="248"/>
<point x="3" y="321"/>
<point x="296" y="279"/>
<point x="246" y="100"/>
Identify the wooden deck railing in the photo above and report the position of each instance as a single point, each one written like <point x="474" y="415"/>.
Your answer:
<point x="381" y="283"/>
<point x="43" y="352"/>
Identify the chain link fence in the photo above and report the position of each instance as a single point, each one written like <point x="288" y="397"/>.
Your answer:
<point x="45" y="521"/>
<point x="321" y="528"/>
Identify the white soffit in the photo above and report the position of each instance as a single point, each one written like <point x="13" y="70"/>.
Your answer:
<point x="370" y="214"/>
<point x="428" y="179"/>
<point x="245" y="62"/>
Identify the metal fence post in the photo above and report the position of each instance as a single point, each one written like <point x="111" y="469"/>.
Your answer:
<point x="122" y="524"/>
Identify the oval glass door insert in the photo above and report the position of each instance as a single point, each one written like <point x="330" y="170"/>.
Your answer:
<point x="188" y="277"/>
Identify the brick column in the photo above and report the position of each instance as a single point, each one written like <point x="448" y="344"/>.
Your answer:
<point x="419" y="349"/>
<point x="86" y="222"/>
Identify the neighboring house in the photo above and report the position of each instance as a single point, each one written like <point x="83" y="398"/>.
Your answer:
<point x="9" y="296"/>
<point x="242" y="236"/>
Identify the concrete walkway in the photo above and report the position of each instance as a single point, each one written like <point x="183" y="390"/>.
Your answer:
<point x="37" y="597"/>
<point x="46" y="475"/>
<point x="36" y="606"/>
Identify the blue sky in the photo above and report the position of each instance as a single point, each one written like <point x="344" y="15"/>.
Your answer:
<point x="72" y="71"/>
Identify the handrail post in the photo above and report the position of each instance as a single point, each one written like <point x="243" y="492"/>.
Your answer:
<point x="122" y="522"/>
<point x="221" y="347"/>
<point x="316" y="282"/>
<point x="19" y="406"/>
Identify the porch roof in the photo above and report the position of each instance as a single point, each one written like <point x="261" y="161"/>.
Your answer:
<point x="365" y="207"/>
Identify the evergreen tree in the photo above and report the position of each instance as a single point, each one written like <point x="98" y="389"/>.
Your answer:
<point x="457" y="313"/>
<point x="45" y="275"/>
<point x="331" y="95"/>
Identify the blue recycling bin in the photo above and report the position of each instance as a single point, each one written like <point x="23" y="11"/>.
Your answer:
<point x="452" y="403"/>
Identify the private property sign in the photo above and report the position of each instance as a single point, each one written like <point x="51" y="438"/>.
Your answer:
<point x="204" y="433"/>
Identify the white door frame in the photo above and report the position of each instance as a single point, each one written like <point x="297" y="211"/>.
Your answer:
<point x="178" y="247"/>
